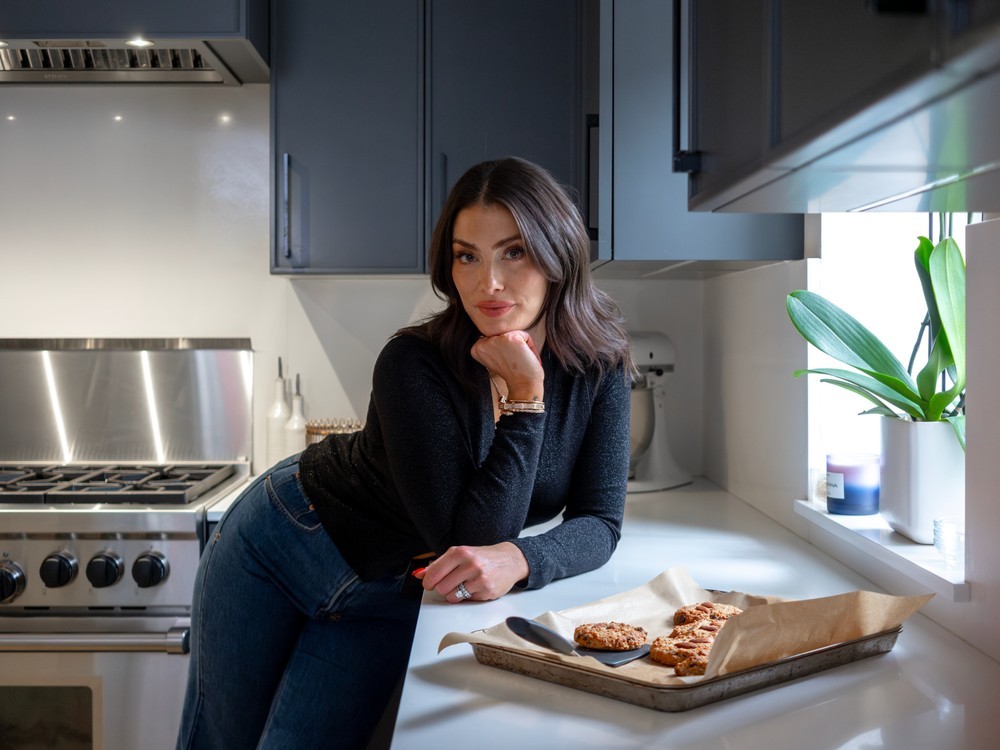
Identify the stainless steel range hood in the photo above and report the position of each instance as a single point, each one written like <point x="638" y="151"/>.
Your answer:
<point x="182" y="42"/>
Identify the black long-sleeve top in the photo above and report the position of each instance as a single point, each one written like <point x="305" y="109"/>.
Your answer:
<point x="431" y="470"/>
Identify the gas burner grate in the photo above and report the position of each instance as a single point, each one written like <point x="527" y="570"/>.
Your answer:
<point x="159" y="485"/>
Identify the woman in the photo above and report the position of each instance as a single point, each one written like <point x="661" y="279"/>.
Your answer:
<point x="506" y="408"/>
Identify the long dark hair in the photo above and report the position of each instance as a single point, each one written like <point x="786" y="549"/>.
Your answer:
<point x="583" y="325"/>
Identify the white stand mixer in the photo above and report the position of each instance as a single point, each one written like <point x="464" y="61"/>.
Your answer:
<point x="651" y="465"/>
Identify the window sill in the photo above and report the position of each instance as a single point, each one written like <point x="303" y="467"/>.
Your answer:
<point x="872" y="536"/>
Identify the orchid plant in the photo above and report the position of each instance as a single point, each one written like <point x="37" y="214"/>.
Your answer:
<point x="938" y="391"/>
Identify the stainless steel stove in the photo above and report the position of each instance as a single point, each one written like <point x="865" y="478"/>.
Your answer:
<point x="177" y="484"/>
<point x="111" y="453"/>
<point x="104" y="540"/>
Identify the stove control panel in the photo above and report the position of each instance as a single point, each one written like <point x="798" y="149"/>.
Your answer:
<point x="88" y="573"/>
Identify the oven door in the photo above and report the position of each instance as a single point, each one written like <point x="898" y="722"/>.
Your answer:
<point x="92" y="690"/>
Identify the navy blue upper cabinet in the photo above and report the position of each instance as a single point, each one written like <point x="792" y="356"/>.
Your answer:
<point x="97" y="19"/>
<point x="643" y="205"/>
<point x="347" y="136"/>
<point x="832" y="106"/>
<point x="377" y="108"/>
<point x="505" y="80"/>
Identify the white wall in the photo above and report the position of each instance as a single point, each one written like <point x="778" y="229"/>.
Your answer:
<point x="157" y="225"/>
<point x="756" y="441"/>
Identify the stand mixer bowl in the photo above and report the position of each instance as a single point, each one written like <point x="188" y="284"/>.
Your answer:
<point x="641" y="425"/>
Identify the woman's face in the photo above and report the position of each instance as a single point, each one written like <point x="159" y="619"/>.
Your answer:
<point x="501" y="288"/>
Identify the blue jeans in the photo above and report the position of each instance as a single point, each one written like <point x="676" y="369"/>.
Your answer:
<point x="289" y="648"/>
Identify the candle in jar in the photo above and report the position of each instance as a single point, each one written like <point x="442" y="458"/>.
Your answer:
<point x="852" y="483"/>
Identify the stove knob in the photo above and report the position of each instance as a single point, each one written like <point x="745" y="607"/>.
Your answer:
<point x="58" y="569"/>
<point x="104" y="569"/>
<point x="150" y="568"/>
<point x="12" y="581"/>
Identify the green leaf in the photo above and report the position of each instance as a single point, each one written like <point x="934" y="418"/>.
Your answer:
<point x="958" y="422"/>
<point x="947" y="271"/>
<point x="876" y="388"/>
<point x="940" y="359"/>
<point x="922" y="257"/>
<point x="835" y="332"/>
<point x="880" y="408"/>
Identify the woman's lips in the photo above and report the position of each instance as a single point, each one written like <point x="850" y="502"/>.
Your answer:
<point x="495" y="309"/>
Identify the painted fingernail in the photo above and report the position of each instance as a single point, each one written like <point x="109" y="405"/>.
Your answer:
<point x="418" y="572"/>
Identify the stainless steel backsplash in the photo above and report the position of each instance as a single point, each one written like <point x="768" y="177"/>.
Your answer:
<point x="126" y="400"/>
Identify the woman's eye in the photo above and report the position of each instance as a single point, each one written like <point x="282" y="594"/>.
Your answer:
<point x="464" y="256"/>
<point x="515" y="253"/>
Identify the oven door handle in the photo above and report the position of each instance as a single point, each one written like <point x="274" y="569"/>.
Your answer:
<point x="174" y="641"/>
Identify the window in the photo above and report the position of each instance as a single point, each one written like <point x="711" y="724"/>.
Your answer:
<point x="869" y="271"/>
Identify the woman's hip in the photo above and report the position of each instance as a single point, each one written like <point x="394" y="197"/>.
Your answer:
<point x="272" y="535"/>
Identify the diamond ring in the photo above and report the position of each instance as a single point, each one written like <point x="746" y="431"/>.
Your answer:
<point x="462" y="593"/>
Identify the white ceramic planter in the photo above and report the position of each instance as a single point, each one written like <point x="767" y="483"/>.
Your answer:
<point x="914" y="488"/>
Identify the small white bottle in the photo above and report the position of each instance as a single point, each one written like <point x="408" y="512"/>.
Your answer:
<point x="295" y="427"/>
<point x="277" y="416"/>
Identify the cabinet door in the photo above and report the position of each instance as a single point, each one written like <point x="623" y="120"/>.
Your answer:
<point x="650" y="217"/>
<point x="505" y="80"/>
<point x="835" y="58"/>
<point x="730" y="97"/>
<point x="346" y="87"/>
<point x="968" y="24"/>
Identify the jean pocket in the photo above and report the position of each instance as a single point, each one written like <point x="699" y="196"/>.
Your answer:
<point x="284" y="490"/>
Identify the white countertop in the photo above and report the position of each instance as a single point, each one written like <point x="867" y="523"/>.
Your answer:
<point x="931" y="691"/>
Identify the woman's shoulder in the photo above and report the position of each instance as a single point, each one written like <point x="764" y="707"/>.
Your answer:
<point x="409" y="350"/>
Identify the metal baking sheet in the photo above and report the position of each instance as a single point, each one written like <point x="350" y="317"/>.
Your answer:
<point x="675" y="698"/>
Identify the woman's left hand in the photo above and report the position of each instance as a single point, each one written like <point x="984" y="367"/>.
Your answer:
<point x="514" y="357"/>
<point x="486" y="572"/>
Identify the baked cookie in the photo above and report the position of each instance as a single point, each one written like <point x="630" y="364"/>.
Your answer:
<point x="672" y="650"/>
<point x="705" y="611"/>
<point x="610" y="636"/>
<point x="701" y="628"/>
<point x="693" y="665"/>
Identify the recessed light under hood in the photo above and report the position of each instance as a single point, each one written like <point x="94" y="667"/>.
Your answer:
<point x="208" y="42"/>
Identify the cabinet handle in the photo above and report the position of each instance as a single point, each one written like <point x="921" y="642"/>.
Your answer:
<point x="444" y="178"/>
<point x="286" y="161"/>
<point x="684" y="160"/>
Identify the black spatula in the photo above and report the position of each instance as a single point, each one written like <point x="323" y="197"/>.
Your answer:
<point x="543" y="636"/>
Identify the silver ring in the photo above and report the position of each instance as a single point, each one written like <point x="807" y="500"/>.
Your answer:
<point x="462" y="593"/>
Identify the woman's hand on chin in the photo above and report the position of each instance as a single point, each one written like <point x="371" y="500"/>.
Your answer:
<point x="515" y="358"/>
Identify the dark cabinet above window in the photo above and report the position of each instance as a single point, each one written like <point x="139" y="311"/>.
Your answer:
<point x="834" y="106"/>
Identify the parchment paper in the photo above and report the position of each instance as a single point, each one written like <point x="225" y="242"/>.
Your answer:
<point x="769" y="628"/>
